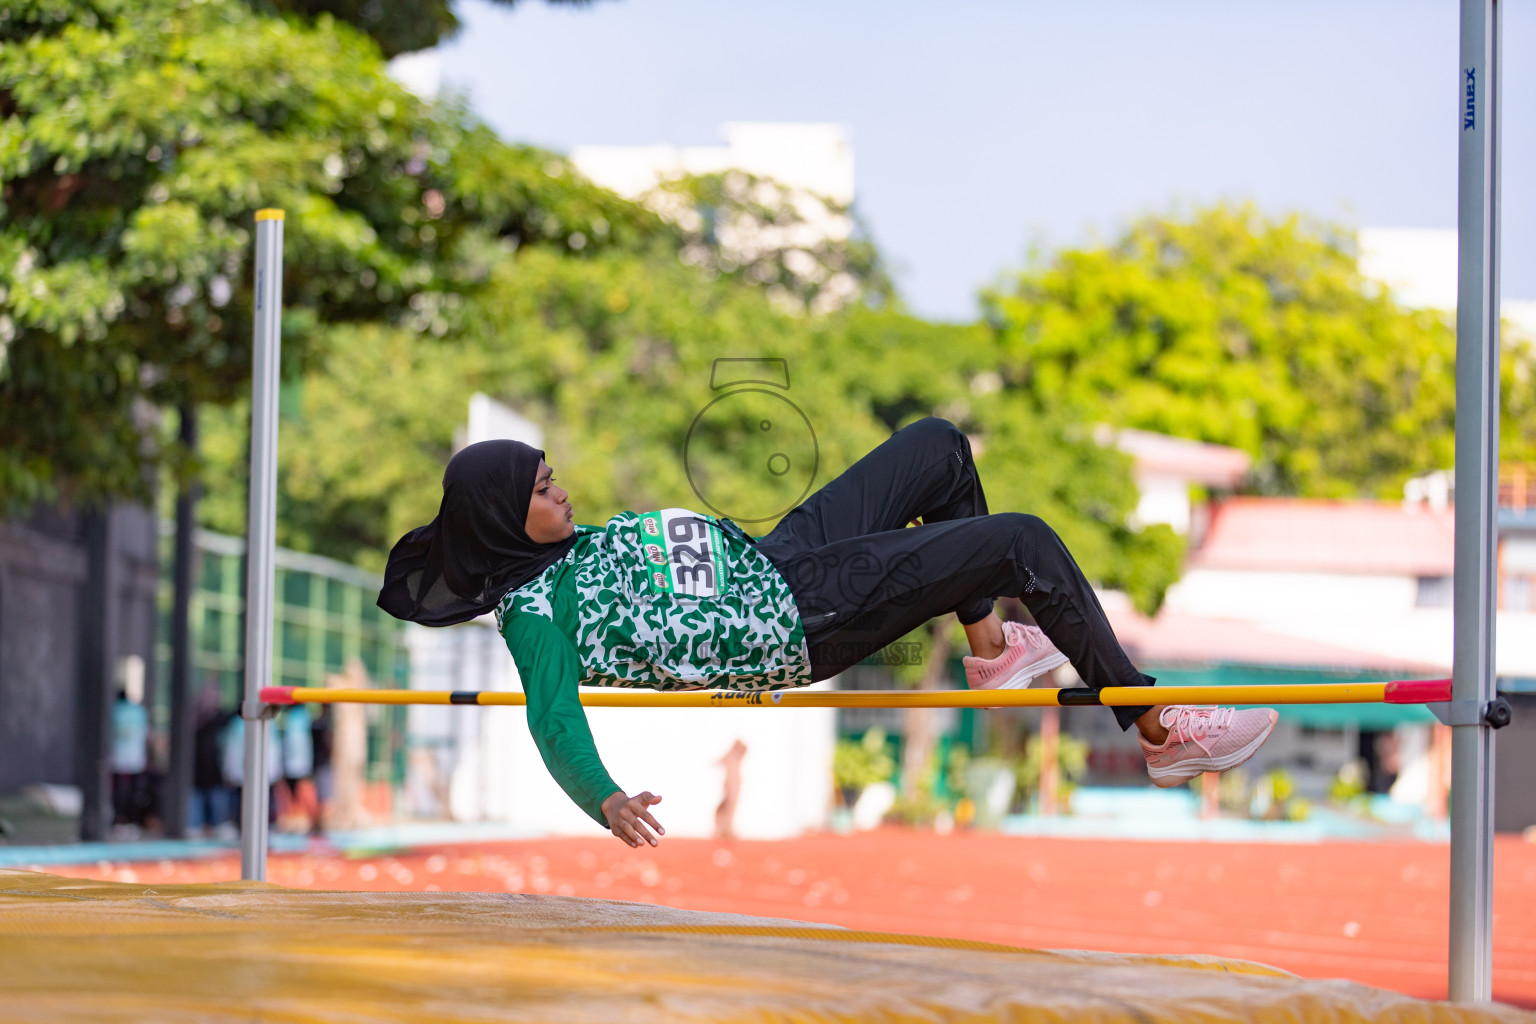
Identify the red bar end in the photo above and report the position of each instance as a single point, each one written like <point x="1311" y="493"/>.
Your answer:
<point x="279" y="695"/>
<point x="1417" y="691"/>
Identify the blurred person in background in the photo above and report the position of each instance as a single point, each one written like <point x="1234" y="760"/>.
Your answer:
<point x="349" y="751"/>
<point x="299" y="809"/>
<point x="208" y="814"/>
<point x="130" y="757"/>
<point x="321" y="735"/>
<point x="232" y="761"/>
<point x="725" y="814"/>
<point x="673" y="599"/>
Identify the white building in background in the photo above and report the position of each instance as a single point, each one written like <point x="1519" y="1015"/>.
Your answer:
<point x="803" y="168"/>
<point x="1419" y="266"/>
<point x="1368" y="581"/>
<point x="1167" y="469"/>
<point x="814" y="157"/>
<point x="421" y="72"/>
<point x="480" y="764"/>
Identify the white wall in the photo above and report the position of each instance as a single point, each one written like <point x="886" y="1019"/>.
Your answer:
<point x="1164" y="499"/>
<point x="468" y="747"/>
<point x="489" y="420"/>
<point x="786" y="775"/>
<point x="493" y="770"/>
<point x="1518" y="555"/>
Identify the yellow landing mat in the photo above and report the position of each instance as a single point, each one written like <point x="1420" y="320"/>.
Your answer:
<point x="79" y="950"/>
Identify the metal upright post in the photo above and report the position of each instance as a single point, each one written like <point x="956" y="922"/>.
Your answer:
<point x="260" y="539"/>
<point x="1477" y="470"/>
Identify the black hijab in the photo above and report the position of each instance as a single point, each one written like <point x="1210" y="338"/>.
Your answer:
<point x="460" y="564"/>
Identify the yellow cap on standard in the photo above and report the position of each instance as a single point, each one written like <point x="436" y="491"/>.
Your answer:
<point x="269" y="214"/>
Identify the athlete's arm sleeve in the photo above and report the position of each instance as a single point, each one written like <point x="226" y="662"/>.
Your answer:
<point x="551" y="671"/>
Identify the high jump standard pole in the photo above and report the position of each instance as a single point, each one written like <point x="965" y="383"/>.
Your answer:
<point x="1473" y="669"/>
<point x="261" y="540"/>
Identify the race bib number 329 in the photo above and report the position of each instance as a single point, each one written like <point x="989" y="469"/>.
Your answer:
<point x="684" y="553"/>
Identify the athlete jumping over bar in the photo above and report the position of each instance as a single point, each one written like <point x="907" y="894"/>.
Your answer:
<point x="674" y="600"/>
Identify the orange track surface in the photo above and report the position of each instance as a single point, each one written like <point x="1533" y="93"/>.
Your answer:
<point x="1371" y="912"/>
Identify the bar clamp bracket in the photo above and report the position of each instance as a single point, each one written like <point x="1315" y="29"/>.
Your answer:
<point x="1496" y="714"/>
<point x="255" y="710"/>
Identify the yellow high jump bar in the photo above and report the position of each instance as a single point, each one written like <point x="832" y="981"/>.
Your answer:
<point x="1398" y="691"/>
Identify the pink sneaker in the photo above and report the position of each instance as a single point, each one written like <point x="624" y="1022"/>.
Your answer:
<point x="1205" y="738"/>
<point x="1028" y="654"/>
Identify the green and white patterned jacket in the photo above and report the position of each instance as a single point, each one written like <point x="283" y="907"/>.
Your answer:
<point x="666" y="600"/>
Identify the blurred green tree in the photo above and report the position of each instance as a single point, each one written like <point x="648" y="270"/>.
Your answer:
<point x="1252" y="332"/>
<point x="857" y="763"/>
<point x="137" y="140"/>
<point x="1030" y="459"/>
<point x="1071" y="766"/>
<point x="613" y="356"/>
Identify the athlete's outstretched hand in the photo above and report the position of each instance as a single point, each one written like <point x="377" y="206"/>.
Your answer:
<point x="627" y="817"/>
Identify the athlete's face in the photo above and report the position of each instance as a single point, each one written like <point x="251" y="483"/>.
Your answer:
<point x="550" y="517"/>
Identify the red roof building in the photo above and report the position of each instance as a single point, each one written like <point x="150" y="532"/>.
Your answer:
<point x="1349" y="537"/>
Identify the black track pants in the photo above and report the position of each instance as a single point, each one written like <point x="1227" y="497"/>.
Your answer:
<point x="862" y="579"/>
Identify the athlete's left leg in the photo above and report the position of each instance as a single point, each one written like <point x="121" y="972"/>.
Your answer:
<point x="860" y="594"/>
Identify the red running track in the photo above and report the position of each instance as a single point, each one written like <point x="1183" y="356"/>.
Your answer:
<point x="1372" y="912"/>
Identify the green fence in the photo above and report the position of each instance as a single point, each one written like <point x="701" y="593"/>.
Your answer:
<point x="324" y="616"/>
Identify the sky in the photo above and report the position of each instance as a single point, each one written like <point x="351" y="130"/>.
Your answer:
<point x="981" y="130"/>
